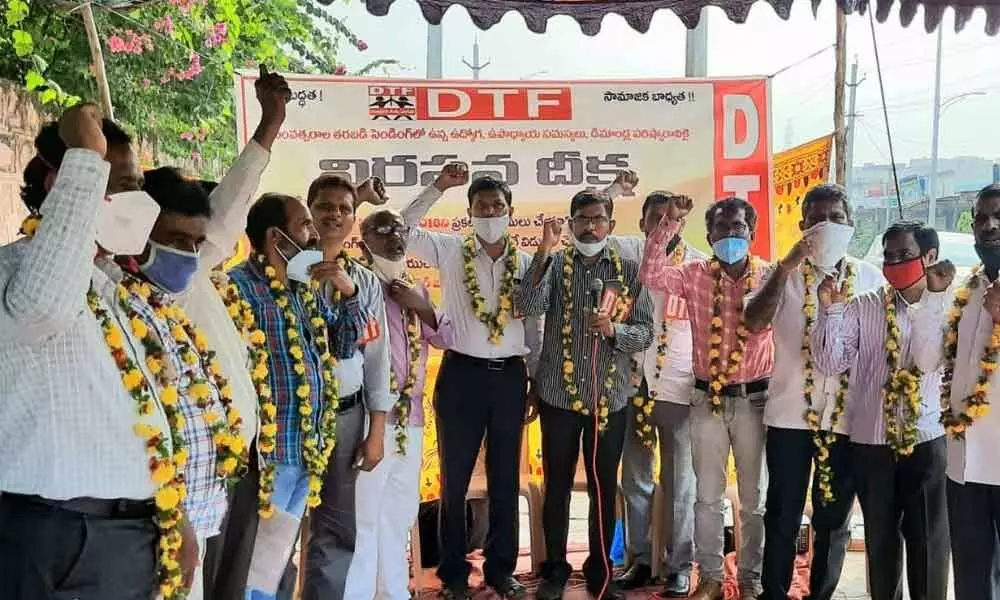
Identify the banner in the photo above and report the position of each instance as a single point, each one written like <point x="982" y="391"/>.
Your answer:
<point x="548" y="140"/>
<point x="796" y="171"/>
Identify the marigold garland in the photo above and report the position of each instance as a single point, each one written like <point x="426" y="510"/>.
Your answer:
<point x="30" y="225"/>
<point x="316" y="449"/>
<point x="822" y="440"/>
<point x="644" y="406"/>
<point x="404" y="402"/>
<point x="902" y="390"/>
<point x="496" y="321"/>
<point x="977" y="404"/>
<point x="719" y="375"/>
<point x="620" y="310"/>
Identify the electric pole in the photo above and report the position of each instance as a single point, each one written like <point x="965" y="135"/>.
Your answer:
<point x="435" y="47"/>
<point x="932" y="180"/>
<point x="696" y="49"/>
<point x="475" y="66"/>
<point x="852" y="115"/>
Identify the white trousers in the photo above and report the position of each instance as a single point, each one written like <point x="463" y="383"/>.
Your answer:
<point x="387" y="500"/>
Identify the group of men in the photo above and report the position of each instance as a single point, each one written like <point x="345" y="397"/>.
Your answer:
<point x="167" y="427"/>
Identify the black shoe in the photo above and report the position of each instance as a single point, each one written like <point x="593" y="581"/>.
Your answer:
<point x="637" y="576"/>
<point x="456" y="592"/>
<point x="509" y="588"/>
<point x="678" y="586"/>
<point x="550" y="590"/>
<point x="612" y="592"/>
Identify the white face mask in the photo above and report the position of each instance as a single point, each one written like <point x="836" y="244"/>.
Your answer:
<point x="299" y="265"/>
<point x="829" y="243"/>
<point x="589" y="249"/>
<point x="124" y="222"/>
<point x="388" y="270"/>
<point x="490" y="229"/>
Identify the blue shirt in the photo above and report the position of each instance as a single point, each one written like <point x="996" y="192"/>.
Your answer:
<point x="344" y="326"/>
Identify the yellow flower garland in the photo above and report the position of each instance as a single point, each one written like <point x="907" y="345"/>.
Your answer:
<point x="30" y="225"/>
<point x="316" y="449"/>
<point x="822" y="441"/>
<point x="404" y="403"/>
<point x="977" y="404"/>
<point x="720" y="376"/>
<point x="644" y="406"/>
<point x="497" y="320"/>
<point x="621" y="308"/>
<point x="242" y="316"/>
<point x="902" y="388"/>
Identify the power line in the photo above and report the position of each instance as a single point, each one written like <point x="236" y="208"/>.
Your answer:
<point x="885" y="112"/>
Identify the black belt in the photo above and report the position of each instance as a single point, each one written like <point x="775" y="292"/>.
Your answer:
<point x="736" y="390"/>
<point x="490" y="364"/>
<point x="348" y="402"/>
<point x="94" y="507"/>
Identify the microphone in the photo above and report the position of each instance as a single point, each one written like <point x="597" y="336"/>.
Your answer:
<point x="596" y="290"/>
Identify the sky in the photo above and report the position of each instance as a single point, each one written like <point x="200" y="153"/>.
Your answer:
<point x="802" y="93"/>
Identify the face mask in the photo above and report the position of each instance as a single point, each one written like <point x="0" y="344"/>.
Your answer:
<point x="170" y="269"/>
<point x="589" y="249"/>
<point x="829" y="243"/>
<point x="731" y="250"/>
<point x="124" y="221"/>
<point x="490" y="229"/>
<point x="904" y="274"/>
<point x="388" y="270"/>
<point x="299" y="265"/>
<point x="990" y="255"/>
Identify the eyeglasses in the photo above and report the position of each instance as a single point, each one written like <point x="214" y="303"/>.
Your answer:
<point x="582" y="221"/>
<point x="394" y="228"/>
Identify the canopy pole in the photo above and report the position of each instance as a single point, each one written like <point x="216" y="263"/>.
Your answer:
<point x="839" y="79"/>
<point x="97" y="55"/>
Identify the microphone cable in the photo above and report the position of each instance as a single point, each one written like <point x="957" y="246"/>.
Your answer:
<point x="593" y="462"/>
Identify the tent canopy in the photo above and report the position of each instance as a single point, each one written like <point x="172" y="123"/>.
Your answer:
<point x="638" y="13"/>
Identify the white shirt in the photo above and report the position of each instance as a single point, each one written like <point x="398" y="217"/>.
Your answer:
<point x="66" y="421"/>
<point x="676" y="379"/>
<point x="786" y="392"/>
<point x="974" y="459"/>
<point x="230" y="201"/>
<point x="444" y="251"/>
<point x="370" y="365"/>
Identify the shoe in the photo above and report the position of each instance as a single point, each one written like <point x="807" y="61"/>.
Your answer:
<point x="550" y="590"/>
<point x="637" y="576"/>
<point x="456" y="592"/>
<point x="509" y="588"/>
<point x="612" y="592"/>
<point x="678" y="586"/>
<point x="709" y="590"/>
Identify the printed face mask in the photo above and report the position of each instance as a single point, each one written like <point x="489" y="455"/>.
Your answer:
<point x="169" y="268"/>
<point x="829" y="243"/>
<point x="490" y="229"/>
<point x="904" y="274"/>
<point x="124" y="222"/>
<point x="731" y="250"/>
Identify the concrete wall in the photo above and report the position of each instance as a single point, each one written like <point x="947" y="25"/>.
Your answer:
<point x="20" y="118"/>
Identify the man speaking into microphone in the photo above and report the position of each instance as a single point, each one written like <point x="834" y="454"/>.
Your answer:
<point x="596" y="316"/>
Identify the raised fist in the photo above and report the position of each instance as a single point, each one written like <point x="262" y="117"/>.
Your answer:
<point x="273" y="94"/>
<point x="453" y="175"/>
<point x="80" y="127"/>
<point x="372" y="191"/>
<point x="830" y="293"/>
<point x="628" y="180"/>
<point x="940" y="275"/>
<point x="551" y="233"/>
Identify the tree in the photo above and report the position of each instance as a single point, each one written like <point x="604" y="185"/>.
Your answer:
<point x="964" y="224"/>
<point x="171" y="63"/>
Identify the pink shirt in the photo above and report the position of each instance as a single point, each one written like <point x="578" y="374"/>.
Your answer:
<point x="693" y="283"/>
<point x="443" y="337"/>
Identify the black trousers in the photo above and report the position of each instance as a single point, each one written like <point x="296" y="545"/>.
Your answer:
<point x="904" y="501"/>
<point x="790" y="456"/>
<point x="974" y="519"/>
<point x="472" y="399"/>
<point x="49" y="553"/>
<point x="562" y="431"/>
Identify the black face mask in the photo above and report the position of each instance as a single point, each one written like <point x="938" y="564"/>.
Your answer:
<point x="990" y="255"/>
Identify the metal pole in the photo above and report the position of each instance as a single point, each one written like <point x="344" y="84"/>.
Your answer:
<point x="852" y="115"/>
<point x="696" y="49"/>
<point x="434" y="51"/>
<point x="97" y="55"/>
<point x="839" y="133"/>
<point x="932" y="179"/>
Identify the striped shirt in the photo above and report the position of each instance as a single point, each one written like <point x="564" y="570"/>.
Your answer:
<point x="633" y="335"/>
<point x="837" y="344"/>
<point x="695" y="284"/>
<point x="345" y="326"/>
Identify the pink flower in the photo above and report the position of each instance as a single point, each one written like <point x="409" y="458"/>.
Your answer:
<point x="217" y="36"/>
<point x="187" y="136"/>
<point x="116" y="44"/>
<point x="196" y="155"/>
<point x="146" y="83"/>
<point x="361" y="45"/>
<point x="164" y="25"/>
<point x="341" y="70"/>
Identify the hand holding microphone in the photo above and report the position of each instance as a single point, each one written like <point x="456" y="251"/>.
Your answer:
<point x="600" y="322"/>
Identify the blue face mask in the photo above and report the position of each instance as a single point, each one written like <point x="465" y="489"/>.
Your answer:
<point x="169" y="268"/>
<point x="731" y="250"/>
